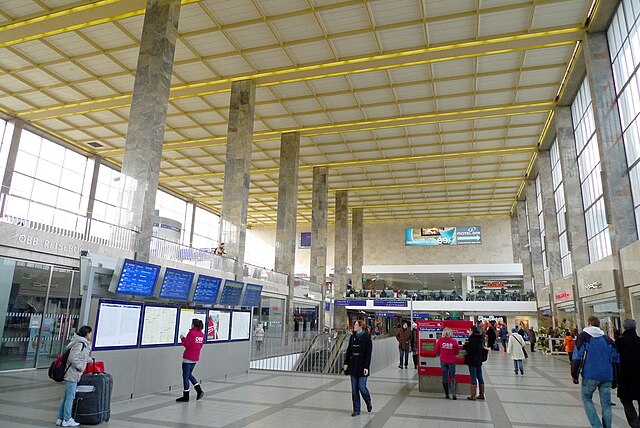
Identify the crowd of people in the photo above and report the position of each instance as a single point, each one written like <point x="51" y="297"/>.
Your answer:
<point x="441" y="295"/>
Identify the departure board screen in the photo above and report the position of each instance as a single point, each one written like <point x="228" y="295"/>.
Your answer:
<point x="137" y="278"/>
<point x="176" y="284"/>
<point x="231" y="293"/>
<point x="207" y="289"/>
<point x="252" y="295"/>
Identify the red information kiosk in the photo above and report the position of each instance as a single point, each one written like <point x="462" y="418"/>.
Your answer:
<point x="429" y="371"/>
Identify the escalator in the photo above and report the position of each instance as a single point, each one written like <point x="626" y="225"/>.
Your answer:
<point x="325" y="354"/>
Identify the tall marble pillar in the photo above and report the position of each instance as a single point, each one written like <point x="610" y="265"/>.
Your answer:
<point x="237" y="169"/>
<point x="97" y="162"/>
<point x="552" y="241"/>
<point x="524" y="249"/>
<point x="615" y="177"/>
<point x="147" y="119"/>
<point x="318" y="257"/>
<point x="357" y="247"/>
<point x="341" y="256"/>
<point x="12" y="155"/>
<point x="287" y="215"/>
<point x="574" y="211"/>
<point x="515" y="237"/>
<point x="536" y="245"/>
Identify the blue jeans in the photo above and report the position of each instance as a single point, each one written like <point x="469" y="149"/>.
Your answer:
<point x="187" y="370"/>
<point x="517" y="365"/>
<point x="405" y="353"/>
<point x="448" y="372"/>
<point x="604" y="388"/>
<point x="476" y="375"/>
<point x="66" y="404"/>
<point x="359" y="386"/>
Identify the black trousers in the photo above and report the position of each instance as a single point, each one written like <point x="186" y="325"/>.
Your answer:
<point x="631" y="413"/>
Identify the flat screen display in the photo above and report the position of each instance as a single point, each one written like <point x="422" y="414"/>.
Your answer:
<point x="305" y="240"/>
<point x="218" y="323"/>
<point x="252" y="294"/>
<point x="159" y="325"/>
<point x="428" y="346"/>
<point x="207" y="288"/>
<point x="117" y="325"/>
<point x="186" y="318"/>
<point x="231" y="293"/>
<point x="240" y="325"/>
<point x="176" y="284"/>
<point x="137" y="278"/>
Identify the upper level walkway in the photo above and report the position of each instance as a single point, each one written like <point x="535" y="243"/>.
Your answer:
<point x="543" y="397"/>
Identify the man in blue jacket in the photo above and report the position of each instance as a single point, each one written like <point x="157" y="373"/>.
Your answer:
<point x="596" y="358"/>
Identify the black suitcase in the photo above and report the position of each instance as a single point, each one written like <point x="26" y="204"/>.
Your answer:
<point x="92" y="404"/>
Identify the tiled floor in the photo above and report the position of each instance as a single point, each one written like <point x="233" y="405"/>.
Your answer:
<point x="544" y="397"/>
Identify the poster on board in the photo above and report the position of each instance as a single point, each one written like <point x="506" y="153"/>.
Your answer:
<point x="218" y="323"/>
<point x="159" y="325"/>
<point x="186" y="318"/>
<point x="240" y="325"/>
<point x="117" y="325"/>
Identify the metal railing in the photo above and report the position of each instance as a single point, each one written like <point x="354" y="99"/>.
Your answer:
<point x="164" y="249"/>
<point x="257" y="272"/>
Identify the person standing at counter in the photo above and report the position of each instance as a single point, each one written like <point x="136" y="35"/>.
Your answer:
<point x="447" y="348"/>
<point x="473" y="358"/>
<point x="414" y="344"/>
<point x="404" y="344"/>
<point x="192" y="345"/>
<point x="357" y="364"/>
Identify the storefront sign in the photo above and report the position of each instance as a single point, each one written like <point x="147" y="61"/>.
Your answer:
<point x="564" y="295"/>
<point x="349" y="302"/>
<point x="593" y="286"/>
<point x="495" y="284"/>
<point x="391" y="303"/>
<point x="48" y="244"/>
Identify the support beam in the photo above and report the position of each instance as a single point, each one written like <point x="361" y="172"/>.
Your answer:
<point x="341" y="257"/>
<point x="318" y="257"/>
<point x="12" y="155"/>
<point x="357" y="247"/>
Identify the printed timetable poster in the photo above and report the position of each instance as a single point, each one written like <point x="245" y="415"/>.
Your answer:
<point x="218" y="323"/>
<point x="448" y="235"/>
<point x="186" y="319"/>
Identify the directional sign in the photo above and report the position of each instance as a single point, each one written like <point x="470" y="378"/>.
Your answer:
<point x="349" y="302"/>
<point x="468" y="235"/>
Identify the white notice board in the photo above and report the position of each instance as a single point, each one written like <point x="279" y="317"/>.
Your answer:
<point x="186" y="317"/>
<point x="117" y="325"/>
<point x="159" y="325"/>
<point x="218" y="326"/>
<point x="240" y="325"/>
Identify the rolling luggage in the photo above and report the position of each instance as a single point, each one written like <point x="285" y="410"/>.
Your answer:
<point x="92" y="404"/>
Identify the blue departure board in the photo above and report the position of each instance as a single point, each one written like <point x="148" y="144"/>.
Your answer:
<point x="231" y="293"/>
<point x="176" y="284"/>
<point x="137" y="278"/>
<point x="252" y="295"/>
<point x="207" y="289"/>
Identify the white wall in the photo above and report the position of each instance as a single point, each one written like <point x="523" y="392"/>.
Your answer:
<point x="384" y="244"/>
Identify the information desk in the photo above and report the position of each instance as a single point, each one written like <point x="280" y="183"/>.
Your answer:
<point x="117" y="325"/>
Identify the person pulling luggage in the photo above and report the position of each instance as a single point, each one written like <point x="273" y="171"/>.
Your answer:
<point x="79" y="356"/>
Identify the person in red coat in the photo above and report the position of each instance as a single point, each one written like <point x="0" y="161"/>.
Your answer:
<point x="192" y="345"/>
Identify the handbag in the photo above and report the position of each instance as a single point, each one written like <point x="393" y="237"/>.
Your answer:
<point x="94" y="367"/>
<point x="524" y="350"/>
<point x="485" y="354"/>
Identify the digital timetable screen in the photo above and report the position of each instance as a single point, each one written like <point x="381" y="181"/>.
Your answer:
<point x="252" y="295"/>
<point x="137" y="278"/>
<point x="207" y="288"/>
<point x="231" y="293"/>
<point x="176" y="284"/>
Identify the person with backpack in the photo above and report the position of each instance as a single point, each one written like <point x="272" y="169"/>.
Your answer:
<point x="79" y="349"/>
<point x="192" y="345"/>
<point x="596" y="358"/>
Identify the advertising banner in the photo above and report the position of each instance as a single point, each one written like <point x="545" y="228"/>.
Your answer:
<point x="449" y="235"/>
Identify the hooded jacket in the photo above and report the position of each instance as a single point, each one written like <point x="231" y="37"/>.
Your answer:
<point x="79" y="356"/>
<point x="628" y="345"/>
<point x="599" y="354"/>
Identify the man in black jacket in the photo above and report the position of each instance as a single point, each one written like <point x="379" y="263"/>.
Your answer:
<point x="628" y="345"/>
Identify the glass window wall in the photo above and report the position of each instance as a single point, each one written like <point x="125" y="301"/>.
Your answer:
<point x="543" y="235"/>
<point x="558" y="196"/>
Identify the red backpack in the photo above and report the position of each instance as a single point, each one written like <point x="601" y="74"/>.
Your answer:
<point x="59" y="367"/>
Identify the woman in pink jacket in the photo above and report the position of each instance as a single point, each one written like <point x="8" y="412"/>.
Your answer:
<point x="448" y="348"/>
<point x="192" y="346"/>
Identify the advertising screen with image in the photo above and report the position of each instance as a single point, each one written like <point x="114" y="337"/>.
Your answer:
<point x="231" y="293"/>
<point x="305" y="240"/>
<point x="240" y="325"/>
<point x="136" y="278"/>
<point x="218" y="323"/>
<point x="207" y="288"/>
<point x="117" y="325"/>
<point x="447" y="235"/>
<point x="159" y="325"/>
<point x="186" y="319"/>
<point x="176" y="284"/>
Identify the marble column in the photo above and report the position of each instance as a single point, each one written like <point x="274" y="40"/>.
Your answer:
<point x="341" y="256"/>
<point x="524" y="249"/>
<point x="357" y="247"/>
<point x="147" y="120"/>
<point x="287" y="215"/>
<point x="574" y="211"/>
<point x="237" y="169"/>
<point x="515" y="237"/>
<point x="614" y="172"/>
<point x="18" y="125"/>
<point x="552" y="241"/>
<point x="537" y="267"/>
<point x="318" y="257"/>
<point x="97" y="162"/>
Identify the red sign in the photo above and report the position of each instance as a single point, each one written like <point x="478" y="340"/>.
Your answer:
<point x="564" y="295"/>
<point x="495" y="284"/>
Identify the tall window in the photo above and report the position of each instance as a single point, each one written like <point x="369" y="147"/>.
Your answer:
<point x="624" y="47"/>
<point x="176" y="209"/>
<point x="590" y="180"/>
<point x="52" y="183"/>
<point x="205" y="229"/>
<point x="558" y="196"/>
<point x="526" y="217"/>
<point x="543" y="244"/>
<point x="107" y="200"/>
<point x="6" y="133"/>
